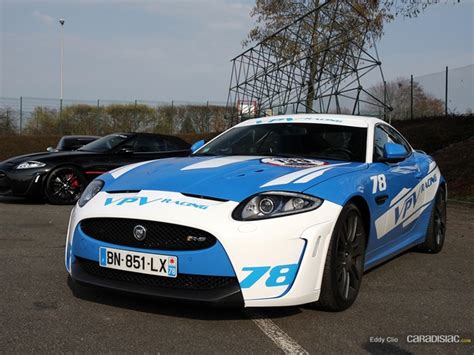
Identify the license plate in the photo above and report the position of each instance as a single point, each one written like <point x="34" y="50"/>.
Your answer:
<point x="151" y="264"/>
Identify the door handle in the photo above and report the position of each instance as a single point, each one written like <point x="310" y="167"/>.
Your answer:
<point x="381" y="199"/>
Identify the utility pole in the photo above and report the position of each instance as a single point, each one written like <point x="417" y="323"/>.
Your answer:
<point x="446" y="95"/>
<point x="61" y="21"/>
<point x="411" y="97"/>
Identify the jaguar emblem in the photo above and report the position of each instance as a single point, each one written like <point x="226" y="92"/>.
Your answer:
<point x="139" y="232"/>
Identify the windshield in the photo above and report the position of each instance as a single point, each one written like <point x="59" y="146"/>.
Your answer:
<point x="106" y="143"/>
<point x="73" y="142"/>
<point x="305" y="140"/>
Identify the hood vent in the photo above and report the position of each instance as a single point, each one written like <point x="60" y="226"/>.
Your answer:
<point x="123" y="192"/>
<point x="204" y="197"/>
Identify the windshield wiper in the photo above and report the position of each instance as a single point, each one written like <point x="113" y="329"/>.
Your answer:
<point x="284" y="155"/>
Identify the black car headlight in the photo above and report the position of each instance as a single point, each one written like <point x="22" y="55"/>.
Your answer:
<point x="30" y="165"/>
<point x="275" y="204"/>
<point x="91" y="190"/>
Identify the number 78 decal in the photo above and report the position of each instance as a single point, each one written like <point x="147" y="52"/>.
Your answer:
<point x="281" y="275"/>
<point x="379" y="183"/>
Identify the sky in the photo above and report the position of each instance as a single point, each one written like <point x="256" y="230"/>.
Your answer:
<point x="163" y="50"/>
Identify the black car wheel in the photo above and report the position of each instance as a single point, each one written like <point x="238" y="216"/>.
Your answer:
<point x="436" y="232"/>
<point x="64" y="186"/>
<point x="344" y="262"/>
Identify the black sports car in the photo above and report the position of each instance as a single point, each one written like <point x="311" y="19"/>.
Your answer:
<point x="61" y="177"/>
<point x="72" y="143"/>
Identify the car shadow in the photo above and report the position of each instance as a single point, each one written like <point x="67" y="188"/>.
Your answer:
<point x="391" y="259"/>
<point x="385" y="348"/>
<point x="147" y="304"/>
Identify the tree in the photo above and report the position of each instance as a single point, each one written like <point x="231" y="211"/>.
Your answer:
<point x="165" y="120"/>
<point x="7" y="126"/>
<point x="129" y="117"/>
<point x="272" y="15"/>
<point x="80" y="119"/>
<point x="399" y="92"/>
<point x="43" y="120"/>
<point x="187" y="126"/>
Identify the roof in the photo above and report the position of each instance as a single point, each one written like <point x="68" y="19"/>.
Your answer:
<point x="79" y="136"/>
<point x="157" y="135"/>
<point x="343" y="120"/>
<point x="146" y="134"/>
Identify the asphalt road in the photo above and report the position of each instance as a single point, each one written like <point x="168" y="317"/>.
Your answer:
<point x="412" y="294"/>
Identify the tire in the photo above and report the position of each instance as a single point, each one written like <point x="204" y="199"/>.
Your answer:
<point x="64" y="185"/>
<point x="344" y="265"/>
<point x="436" y="232"/>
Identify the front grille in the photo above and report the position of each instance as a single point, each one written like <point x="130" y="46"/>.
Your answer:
<point x="159" y="235"/>
<point x="182" y="281"/>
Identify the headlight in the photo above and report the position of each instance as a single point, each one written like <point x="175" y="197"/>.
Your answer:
<point x="91" y="190"/>
<point x="275" y="204"/>
<point x="31" y="165"/>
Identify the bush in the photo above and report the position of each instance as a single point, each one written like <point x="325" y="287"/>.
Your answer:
<point x="44" y="121"/>
<point x="89" y="119"/>
<point x="7" y="122"/>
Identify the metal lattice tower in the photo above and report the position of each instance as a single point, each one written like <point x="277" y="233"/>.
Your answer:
<point x="285" y="71"/>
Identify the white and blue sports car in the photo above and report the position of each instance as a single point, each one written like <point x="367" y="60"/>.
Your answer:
<point x="275" y="211"/>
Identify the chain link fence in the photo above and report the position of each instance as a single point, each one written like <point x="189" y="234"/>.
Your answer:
<point x="30" y="115"/>
<point x="453" y="87"/>
<point x="448" y="92"/>
<point x="445" y="93"/>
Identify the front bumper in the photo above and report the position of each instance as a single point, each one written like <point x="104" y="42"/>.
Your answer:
<point x="204" y="276"/>
<point x="27" y="182"/>
<point x="276" y="262"/>
<point x="227" y="292"/>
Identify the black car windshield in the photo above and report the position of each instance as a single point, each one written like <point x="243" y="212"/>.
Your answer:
<point x="71" y="143"/>
<point x="305" y="140"/>
<point x="106" y="143"/>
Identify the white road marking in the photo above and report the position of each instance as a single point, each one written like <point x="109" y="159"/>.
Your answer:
<point x="276" y="334"/>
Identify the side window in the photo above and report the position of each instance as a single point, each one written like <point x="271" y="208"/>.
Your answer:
<point x="385" y="134"/>
<point x="148" y="144"/>
<point x="380" y="138"/>
<point x="397" y="138"/>
<point x="173" y="145"/>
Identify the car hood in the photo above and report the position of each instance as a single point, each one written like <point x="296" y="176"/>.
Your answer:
<point x="227" y="178"/>
<point x="42" y="156"/>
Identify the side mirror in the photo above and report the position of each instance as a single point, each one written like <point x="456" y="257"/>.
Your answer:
<point x="393" y="152"/>
<point x="197" y="145"/>
<point x="51" y="149"/>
